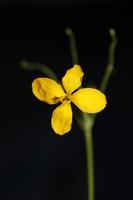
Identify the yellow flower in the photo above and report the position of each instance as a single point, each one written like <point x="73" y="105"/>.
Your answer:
<point x="88" y="100"/>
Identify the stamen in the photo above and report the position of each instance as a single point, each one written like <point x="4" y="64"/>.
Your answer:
<point x="60" y="99"/>
<point x="56" y="99"/>
<point x="66" y="98"/>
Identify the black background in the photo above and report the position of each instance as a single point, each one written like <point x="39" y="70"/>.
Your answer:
<point x="35" y="162"/>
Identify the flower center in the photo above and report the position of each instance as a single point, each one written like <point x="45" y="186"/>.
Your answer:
<point x="66" y="98"/>
<point x="60" y="99"/>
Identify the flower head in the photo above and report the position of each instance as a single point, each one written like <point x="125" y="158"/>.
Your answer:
<point x="88" y="100"/>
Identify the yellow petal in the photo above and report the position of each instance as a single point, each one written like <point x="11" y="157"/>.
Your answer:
<point x="62" y="118"/>
<point x="89" y="100"/>
<point x="47" y="90"/>
<point x="72" y="79"/>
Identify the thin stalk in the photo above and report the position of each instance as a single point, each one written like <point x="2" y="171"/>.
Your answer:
<point x="90" y="163"/>
<point x="86" y="126"/>
<point x="73" y="47"/>
<point x="87" y="121"/>
<point x="40" y="67"/>
<point x="111" y="61"/>
<point x="110" y="66"/>
<point x="87" y="130"/>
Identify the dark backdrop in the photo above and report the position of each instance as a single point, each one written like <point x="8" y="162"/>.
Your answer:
<point x="35" y="163"/>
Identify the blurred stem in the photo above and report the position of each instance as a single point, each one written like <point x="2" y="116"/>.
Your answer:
<point x="73" y="46"/>
<point x="87" y="130"/>
<point x="86" y="125"/>
<point x="90" y="121"/>
<point x="110" y="66"/>
<point x="87" y="121"/>
<point x="111" y="61"/>
<point x="40" y="67"/>
<point x="90" y="163"/>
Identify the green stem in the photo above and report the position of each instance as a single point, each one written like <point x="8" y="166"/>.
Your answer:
<point x="87" y="126"/>
<point x="73" y="47"/>
<point x="90" y="163"/>
<point x="90" y="121"/>
<point x="110" y="66"/>
<point x="87" y="122"/>
<point x="40" y="67"/>
<point x="111" y="61"/>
